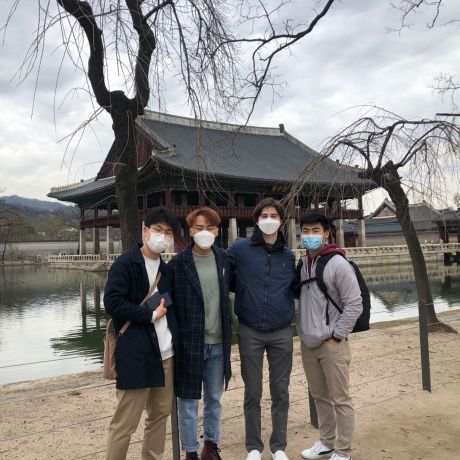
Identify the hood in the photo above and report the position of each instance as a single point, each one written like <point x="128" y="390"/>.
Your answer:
<point x="331" y="248"/>
<point x="328" y="249"/>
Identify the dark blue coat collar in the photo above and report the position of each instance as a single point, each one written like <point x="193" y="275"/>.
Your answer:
<point x="136" y="256"/>
<point x="257" y="238"/>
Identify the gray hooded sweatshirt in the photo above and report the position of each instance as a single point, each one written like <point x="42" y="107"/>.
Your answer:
<point x="343" y="287"/>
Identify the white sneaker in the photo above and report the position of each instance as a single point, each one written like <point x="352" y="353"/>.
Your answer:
<point x="279" y="455"/>
<point x="254" y="455"/>
<point x="339" y="457"/>
<point x="318" y="450"/>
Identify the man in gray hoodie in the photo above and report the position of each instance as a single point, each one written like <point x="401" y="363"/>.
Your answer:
<point x="323" y="331"/>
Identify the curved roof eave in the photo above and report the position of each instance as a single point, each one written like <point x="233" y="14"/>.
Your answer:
<point x="365" y="184"/>
<point x="81" y="190"/>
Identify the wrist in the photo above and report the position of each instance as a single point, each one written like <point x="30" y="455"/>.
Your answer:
<point x="336" y="339"/>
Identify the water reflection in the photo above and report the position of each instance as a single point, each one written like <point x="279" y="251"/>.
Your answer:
<point x="85" y="340"/>
<point x="52" y="321"/>
<point x="394" y="296"/>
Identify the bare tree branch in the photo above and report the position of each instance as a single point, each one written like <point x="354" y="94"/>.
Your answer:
<point x="400" y="156"/>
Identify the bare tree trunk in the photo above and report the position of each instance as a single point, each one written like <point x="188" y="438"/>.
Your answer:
<point x="126" y="177"/>
<point x="122" y="109"/>
<point x="389" y="179"/>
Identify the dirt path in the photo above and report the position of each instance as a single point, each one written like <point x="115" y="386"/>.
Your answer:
<point x="67" y="417"/>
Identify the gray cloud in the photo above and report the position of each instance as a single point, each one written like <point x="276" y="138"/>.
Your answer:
<point x="348" y="61"/>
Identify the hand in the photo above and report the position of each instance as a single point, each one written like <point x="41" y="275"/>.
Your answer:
<point x="331" y="340"/>
<point x="161" y="310"/>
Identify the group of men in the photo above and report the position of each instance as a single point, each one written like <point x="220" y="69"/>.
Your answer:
<point x="180" y="344"/>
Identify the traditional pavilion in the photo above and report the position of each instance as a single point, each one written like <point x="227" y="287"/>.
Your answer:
<point x="185" y="163"/>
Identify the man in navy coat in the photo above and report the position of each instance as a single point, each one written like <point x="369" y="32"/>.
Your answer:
<point x="200" y="295"/>
<point x="263" y="269"/>
<point x="144" y="353"/>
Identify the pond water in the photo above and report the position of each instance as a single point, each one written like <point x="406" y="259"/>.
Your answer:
<point x="52" y="321"/>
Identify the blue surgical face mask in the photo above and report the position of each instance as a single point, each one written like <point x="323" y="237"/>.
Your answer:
<point x="311" y="242"/>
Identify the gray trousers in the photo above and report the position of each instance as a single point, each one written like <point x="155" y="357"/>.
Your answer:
<point x="278" y="345"/>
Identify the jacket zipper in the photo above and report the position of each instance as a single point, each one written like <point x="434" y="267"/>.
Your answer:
<point x="267" y="277"/>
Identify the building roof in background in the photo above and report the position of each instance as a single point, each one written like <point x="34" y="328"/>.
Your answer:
<point x="385" y="205"/>
<point x="419" y="212"/>
<point x="378" y="226"/>
<point x="80" y="189"/>
<point x="423" y="216"/>
<point x="257" y="153"/>
<point x="223" y="150"/>
<point x="449" y="215"/>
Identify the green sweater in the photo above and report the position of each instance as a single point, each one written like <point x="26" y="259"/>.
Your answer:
<point x="207" y="273"/>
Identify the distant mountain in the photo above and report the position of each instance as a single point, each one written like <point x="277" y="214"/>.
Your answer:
<point x="31" y="220"/>
<point x="39" y="205"/>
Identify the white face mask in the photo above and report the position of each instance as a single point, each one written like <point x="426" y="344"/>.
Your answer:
<point x="158" y="242"/>
<point x="269" y="225"/>
<point x="204" y="239"/>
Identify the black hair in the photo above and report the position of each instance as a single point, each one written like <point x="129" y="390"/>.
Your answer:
<point x="314" y="217"/>
<point x="161" y="216"/>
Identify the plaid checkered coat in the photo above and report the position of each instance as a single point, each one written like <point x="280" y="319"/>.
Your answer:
<point x="189" y="308"/>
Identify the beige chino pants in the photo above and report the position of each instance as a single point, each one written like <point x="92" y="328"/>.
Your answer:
<point x="327" y="370"/>
<point x="131" y="403"/>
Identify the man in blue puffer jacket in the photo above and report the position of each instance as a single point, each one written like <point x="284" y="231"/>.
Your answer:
<point x="263" y="269"/>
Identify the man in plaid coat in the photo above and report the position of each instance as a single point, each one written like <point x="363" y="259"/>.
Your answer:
<point x="199" y="279"/>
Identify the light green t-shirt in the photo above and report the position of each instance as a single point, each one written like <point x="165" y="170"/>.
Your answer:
<point x="207" y="273"/>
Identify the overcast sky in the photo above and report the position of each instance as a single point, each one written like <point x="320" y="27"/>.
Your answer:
<point x="349" y="60"/>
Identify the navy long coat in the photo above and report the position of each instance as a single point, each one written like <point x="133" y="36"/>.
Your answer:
<point x="189" y="307"/>
<point x="138" y="359"/>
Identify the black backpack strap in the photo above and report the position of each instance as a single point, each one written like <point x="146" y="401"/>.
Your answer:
<point x="319" y="272"/>
<point x="299" y="274"/>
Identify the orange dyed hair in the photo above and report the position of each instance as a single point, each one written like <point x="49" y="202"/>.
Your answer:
<point x="211" y="215"/>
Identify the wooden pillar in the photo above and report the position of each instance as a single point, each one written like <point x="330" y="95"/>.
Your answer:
<point x="339" y="207"/>
<point x="291" y="234"/>
<point x="231" y="197"/>
<point x="82" y="244"/>
<point x="109" y="240"/>
<point x="202" y="199"/>
<point x="444" y="233"/>
<point x="168" y="199"/>
<point x="96" y="242"/>
<point x="360" y="204"/>
<point x="362" y="233"/>
<point x="185" y="231"/>
<point x="232" y="230"/>
<point x="339" y="233"/>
